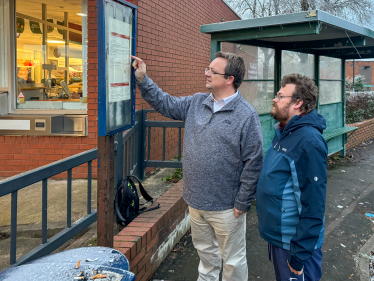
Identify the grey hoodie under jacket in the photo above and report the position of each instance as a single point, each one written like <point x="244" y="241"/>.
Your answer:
<point x="222" y="153"/>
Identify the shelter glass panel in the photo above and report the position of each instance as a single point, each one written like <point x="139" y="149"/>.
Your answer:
<point x="259" y="61"/>
<point x="259" y="94"/>
<point x="330" y="68"/>
<point x="295" y="62"/>
<point x="330" y="92"/>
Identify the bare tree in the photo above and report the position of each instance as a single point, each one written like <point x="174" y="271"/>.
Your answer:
<point x="358" y="11"/>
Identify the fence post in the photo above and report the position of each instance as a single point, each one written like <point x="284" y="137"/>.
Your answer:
<point x="105" y="191"/>
<point x="141" y="145"/>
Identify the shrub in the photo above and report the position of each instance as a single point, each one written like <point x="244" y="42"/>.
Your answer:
<point x="359" y="83"/>
<point x="359" y="107"/>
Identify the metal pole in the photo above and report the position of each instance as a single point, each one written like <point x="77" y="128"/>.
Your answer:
<point x="353" y="79"/>
<point x="344" y="136"/>
<point x="105" y="191"/>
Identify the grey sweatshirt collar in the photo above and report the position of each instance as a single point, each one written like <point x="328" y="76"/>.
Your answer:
<point x="209" y="102"/>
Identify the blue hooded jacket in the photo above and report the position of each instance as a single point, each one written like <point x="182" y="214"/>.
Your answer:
<point x="291" y="191"/>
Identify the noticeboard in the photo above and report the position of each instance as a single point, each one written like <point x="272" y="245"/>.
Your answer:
<point x="116" y="81"/>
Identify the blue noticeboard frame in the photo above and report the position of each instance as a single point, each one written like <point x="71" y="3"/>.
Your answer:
<point x="103" y="128"/>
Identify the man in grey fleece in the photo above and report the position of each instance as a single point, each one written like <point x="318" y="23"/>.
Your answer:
<point x="222" y="159"/>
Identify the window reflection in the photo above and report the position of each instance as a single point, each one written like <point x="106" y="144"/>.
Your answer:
<point x="51" y="54"/>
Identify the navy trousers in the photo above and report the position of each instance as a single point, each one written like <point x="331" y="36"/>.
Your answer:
<point x="312" y="270"/>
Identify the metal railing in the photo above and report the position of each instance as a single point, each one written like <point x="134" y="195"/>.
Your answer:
<point x="14" y="184"/>
<point x="147" y="125"/>
<point x="131" y="148"/>
<point x="135" y="145"/>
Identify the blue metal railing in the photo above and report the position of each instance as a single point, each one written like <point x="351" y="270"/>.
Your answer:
<point x="131" y="148"/>
<point x="147" y="125"/>
<point x="18" y="182"/>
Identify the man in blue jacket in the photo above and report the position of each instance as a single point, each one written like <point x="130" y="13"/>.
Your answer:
<point x="291" y="190"/>
<point x="222" y="158"/>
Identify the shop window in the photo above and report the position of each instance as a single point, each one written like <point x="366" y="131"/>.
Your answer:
<point x="330" y="82"/>
<point x="258" y="85"/>
<point x="51" y="55"/>
<point x="3" y="46"/>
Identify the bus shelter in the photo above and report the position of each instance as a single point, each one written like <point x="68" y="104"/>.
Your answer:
<point x="314" y="43"/>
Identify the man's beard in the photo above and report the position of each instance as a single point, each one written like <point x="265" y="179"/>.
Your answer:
<point x="281" y="115"/>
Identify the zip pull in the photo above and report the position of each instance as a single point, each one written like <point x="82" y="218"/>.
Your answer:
<point x="275" y="145"/>
<point x="211" y="118"/>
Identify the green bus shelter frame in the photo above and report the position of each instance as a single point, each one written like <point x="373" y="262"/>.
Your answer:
<point x="311" y="32"/>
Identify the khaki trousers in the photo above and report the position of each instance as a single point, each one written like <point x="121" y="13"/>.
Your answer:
<point x="219" y="236"/>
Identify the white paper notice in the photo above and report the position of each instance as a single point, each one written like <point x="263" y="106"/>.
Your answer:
<point x="119" y="68"/>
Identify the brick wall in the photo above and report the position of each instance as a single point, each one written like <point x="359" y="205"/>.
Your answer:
<point x="176" y="53"/>
<point x="148" y="239"/>
<point x="364" y="132"/>
<point x="349" y="68"/>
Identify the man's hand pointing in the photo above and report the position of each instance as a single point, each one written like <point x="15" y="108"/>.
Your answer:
<point x="140" y="68"/>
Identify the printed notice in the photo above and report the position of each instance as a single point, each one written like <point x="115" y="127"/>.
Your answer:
<point x="119" y="60"/>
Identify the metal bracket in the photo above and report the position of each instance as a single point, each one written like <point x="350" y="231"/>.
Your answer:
<point x="311" y="14"/>
<point x="115" y="146"/>
<point x="351" y="134"/>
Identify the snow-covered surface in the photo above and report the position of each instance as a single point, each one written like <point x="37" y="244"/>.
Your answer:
<point x="61" y="266"/>
<point x="104" y="257"/>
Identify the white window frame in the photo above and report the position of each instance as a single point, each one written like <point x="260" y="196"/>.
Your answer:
<point x="3" y="46"/>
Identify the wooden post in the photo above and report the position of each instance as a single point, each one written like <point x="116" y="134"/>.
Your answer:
<point x="105" y="191"/>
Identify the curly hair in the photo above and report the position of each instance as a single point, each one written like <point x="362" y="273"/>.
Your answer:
<point x="305" y="90"/>
<point x="235" y="67"/>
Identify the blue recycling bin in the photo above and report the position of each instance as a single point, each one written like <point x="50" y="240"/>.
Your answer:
<point x="76" y="264"/>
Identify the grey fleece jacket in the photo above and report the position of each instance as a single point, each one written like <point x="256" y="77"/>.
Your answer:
<point x="222" y="153"/>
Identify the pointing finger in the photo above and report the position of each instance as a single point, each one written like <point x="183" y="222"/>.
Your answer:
<point x="136" y="58"/>
<point x="135" y="64"/>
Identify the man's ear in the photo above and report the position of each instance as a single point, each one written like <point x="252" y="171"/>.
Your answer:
<point x="231" y="80"/>
<point x="298" y="104"/>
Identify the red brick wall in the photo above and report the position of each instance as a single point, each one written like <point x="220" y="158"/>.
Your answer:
<point x="364" y="132"/>
<point x="140" y="240"/>
<point x="349" y="68"/>
<point x="176" y="53"/>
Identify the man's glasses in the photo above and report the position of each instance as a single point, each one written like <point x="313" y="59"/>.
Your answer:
<point x="212" y="72"/>
<point x="279" y="97"/>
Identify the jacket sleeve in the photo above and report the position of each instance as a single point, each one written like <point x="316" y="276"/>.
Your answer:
<point x="172" y="107"/>
<point x="310" y="191"/>
<point x="251" y="148"/>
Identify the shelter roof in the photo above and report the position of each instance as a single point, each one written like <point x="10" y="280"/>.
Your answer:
<point x="314" y="32"/>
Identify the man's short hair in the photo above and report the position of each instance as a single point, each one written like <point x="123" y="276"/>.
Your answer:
<point x="305" y="90"/>
<point x="235" y="67"/>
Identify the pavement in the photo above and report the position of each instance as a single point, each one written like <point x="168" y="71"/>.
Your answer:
<point x="349" y="232"/>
